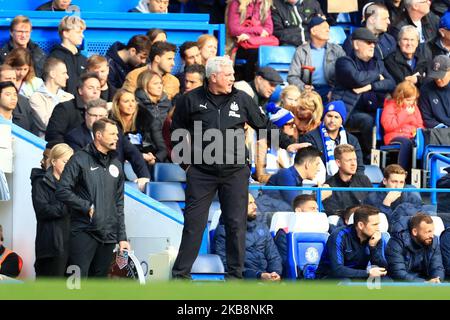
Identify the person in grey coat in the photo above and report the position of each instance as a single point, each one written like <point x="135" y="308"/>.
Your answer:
<point x="318" y="53"/>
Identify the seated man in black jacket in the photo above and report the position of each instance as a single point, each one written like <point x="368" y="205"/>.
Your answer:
<point x="81" y="136"/>
<point x="291" y="18"/>
<point x="346" y="177"/>
<point x="362" y="82"/>
<point x="330" y="134"/>
<point x="350" y="249"/>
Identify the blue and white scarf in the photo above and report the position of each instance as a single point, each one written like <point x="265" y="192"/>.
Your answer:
<point x="329" y="145"/>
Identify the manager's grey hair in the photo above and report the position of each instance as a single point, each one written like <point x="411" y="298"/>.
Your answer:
<point x="215" y="65"/>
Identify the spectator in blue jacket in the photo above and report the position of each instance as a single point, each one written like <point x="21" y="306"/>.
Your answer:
<point x="262" y="260"/>
<point x="362" y="83"/>
<point x="377" y="20"/>
<point x="386" y="202"/>
<point x="306" y="166"/>
<point x="445" y="251"/>
<point x="350" y="248"/>
<point x="413" y="252"/>
<point x="435" y="95"/>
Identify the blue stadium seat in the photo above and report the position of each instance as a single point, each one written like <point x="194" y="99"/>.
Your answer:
<point x="379" y="134"/>
<point x="280" y="220"/>
<point x="168" y="172"/>
<point x="278" y="58"/>
<point x="165" y="191"/>
<point x="437" y="165"/>
<point x="337" y="35"/>
<point x="208" y="267"/>
<point x="306" y="240"/>
<point x="374" y="174"/>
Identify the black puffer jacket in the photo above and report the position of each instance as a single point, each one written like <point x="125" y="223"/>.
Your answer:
<point x="53" y="219"/>
<point x="92" y="178"/>
<point x="37" y="54"/>
<point x="159" y="110"/>
<point x="75" y="63"/>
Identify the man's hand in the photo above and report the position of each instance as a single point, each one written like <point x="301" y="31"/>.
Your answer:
<point x="270" y="276"/>
<point x="124" y="245"/>
<point x="293" y="148"/>
<point x="242" y="37"/>
<point x="377" y="272"/>
<point x="149" y="158"/>
<point x="141" y="183"/>
<point x="391" y="197"/>
<point x="381" y="77"/>
<point x="366" y="88"/>
<point x="410" y="109"/>
<point x="373" y="241"/>
<point x="325" y="194"/>
<point x="434" y="280"/>
<point x="412" y="79"/>
<point x="91" y="213"/>
<point x="264" y="33"/>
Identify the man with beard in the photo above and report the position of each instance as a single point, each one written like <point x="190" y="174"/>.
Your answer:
<point x="262" y="260"/>
<point x="350" y="249"/>
<point x="413" y="254"/>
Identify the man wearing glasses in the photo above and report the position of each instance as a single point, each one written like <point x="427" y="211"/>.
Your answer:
<point x="20" y="31"/>
<point x="418" y="15"/>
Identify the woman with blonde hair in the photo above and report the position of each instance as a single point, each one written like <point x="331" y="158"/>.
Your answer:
<point x="150" y="95"/>
<point x="139" y="126"/>
<point x="400" y="119"/>
<point x="248" y="19"/>
<point x="207" y="44"/>
<point x="306" y="106"/>
<point x="53" y="218"/>
<point x="21" y="60"/>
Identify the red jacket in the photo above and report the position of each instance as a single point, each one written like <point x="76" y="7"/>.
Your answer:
<point x="398" y="123"/>
<point x="234" y="25"/>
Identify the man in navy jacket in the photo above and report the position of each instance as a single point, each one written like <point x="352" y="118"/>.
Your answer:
<point x="350" y="248"/>
<point x="413" y="252"/>
<point x="362" y="83"/>
<point x="262" y="260"/>
<point x="435" y="95"/>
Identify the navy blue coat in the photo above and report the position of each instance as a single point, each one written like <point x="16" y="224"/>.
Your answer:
<point x="410" y="261"/>
<point x="278" y="200"/>
<point x="315" y="139"/>
<point x="261" y="254"/>
<point x="346" y="257"/>
<point x="80" y="137"/>
<point x="376" y="199"/>
<point x="445" y="251"/>
<point x="352" y="73"/>
<point x="433" y="104"/>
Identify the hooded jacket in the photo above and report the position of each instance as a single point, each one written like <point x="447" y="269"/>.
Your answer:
<point x="53" y="219"/>
<point x="410" y="261"/>
<point x="261" y="253"/>
<point x="75" y="64"/>
<point x="118" y="69"/>
<point x="228" y="112"/>
<point x="93" y="179"/>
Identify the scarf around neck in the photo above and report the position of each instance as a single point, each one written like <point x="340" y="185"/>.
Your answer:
<point x="329" y="146"/>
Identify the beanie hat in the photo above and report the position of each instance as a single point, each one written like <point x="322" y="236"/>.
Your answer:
<point x="338" y="106"/>
<point x="279" y="116"/>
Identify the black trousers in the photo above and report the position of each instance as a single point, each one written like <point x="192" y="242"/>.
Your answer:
<point x="233" y="197"/>
<point x="51" y="267"/>
<point x="91" y="256"/>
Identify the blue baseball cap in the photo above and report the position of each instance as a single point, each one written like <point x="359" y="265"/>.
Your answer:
<point x="445" y="21"/>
